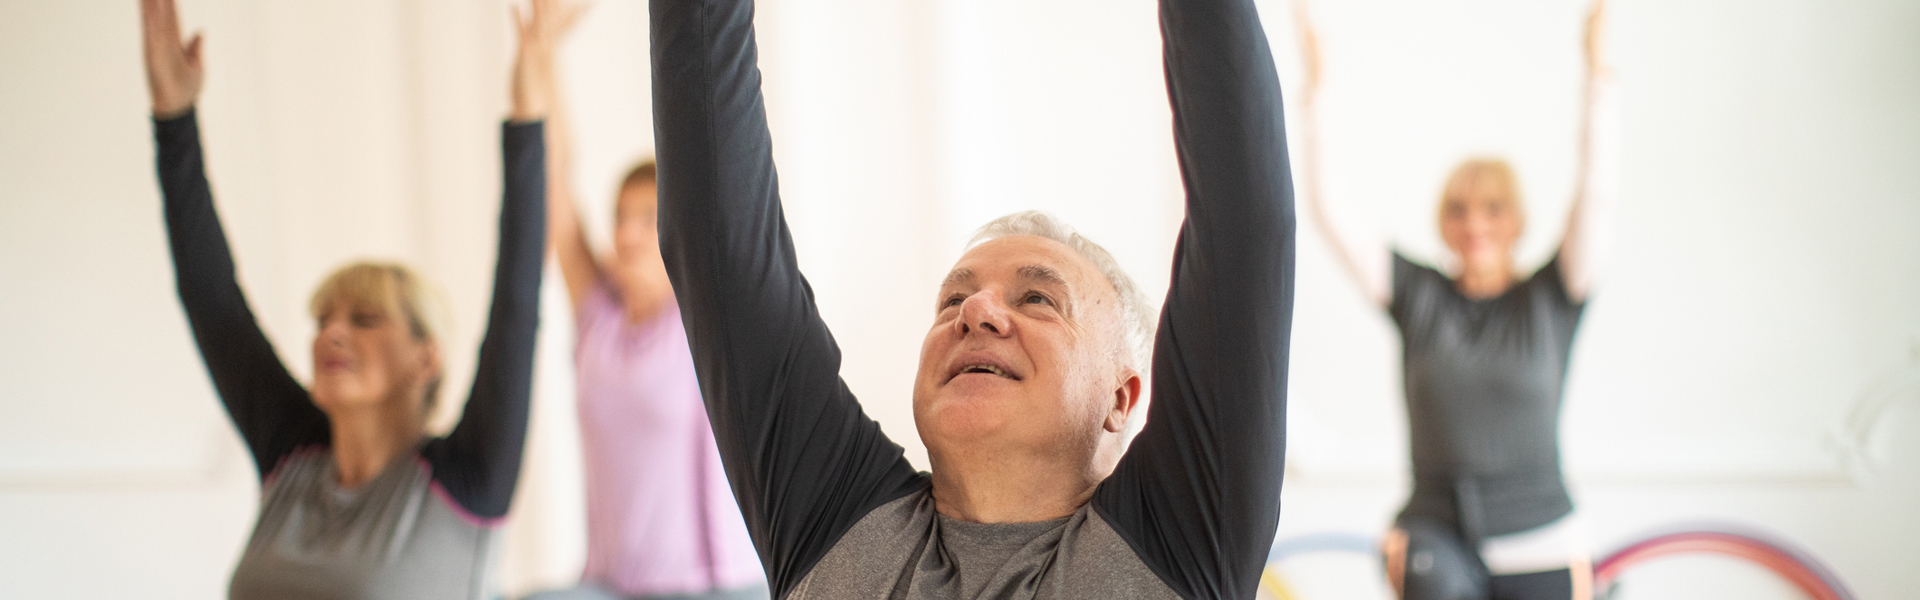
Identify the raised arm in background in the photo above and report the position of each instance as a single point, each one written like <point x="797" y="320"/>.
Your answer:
<point x="804" y="461"/>
<point x="1589" y="221"/>
<point x="478" y="463"/>
<point x="1361" y="250"/>
<point x="1198" y="494"/>
<point x="578" y="267"/>
<point x="270" y="408"/>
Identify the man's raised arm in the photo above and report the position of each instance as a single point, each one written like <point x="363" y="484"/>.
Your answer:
<point x="1198" y="494"/>
<point x="804" y="461"/>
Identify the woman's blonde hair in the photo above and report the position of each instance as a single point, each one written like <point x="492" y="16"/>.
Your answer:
<point x="1477" y="174"/>
<point x="392" y="287"/>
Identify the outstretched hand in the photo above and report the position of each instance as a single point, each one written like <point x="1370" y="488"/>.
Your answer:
<point x="174" y="73"/>
<point x="1309" y="44"/>
<point x="539" y="30"/>
<point x="1596" y="40"/>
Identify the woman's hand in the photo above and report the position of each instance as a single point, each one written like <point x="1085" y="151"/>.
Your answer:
<point x="1596" y="41"/>
<point x="1309" y="45"/>
<point x="539" y="31"/>
<point x="174" y="75"/>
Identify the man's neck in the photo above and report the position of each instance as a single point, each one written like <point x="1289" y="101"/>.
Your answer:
<point x="1010" y="489"/>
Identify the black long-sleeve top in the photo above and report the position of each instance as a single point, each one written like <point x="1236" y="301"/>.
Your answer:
<point x="439" y="549"/>
<point x="834" y="508"/>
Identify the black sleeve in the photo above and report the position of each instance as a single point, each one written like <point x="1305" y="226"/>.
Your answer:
<point x="1413" y="286"/>
<point x="1198" y="494"/>
<point x="271" y="409"/>
<point x="479" y="463"/>
<point x="804" y="461"/>
<point x="1552" y="283"/>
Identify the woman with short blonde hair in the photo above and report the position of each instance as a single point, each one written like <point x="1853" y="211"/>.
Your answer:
<point x="1486" y="351"/>
<point x="357" y="501"/>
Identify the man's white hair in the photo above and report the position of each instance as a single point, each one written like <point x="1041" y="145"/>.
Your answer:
<point x="1136" y="315"/>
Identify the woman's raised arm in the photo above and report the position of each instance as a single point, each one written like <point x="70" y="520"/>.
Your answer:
<point x="1582" y="253"/>
<point x="272" y="411"/>
<point x="1361" y="251"/>
<point x="478" y="464"/>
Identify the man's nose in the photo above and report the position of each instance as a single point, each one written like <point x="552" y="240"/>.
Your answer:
<point x="984" y="310"/>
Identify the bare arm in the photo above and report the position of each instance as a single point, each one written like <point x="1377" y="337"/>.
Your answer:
<point x="577" y="264"/>
<point x="1360" y="250"/>
<point x="1582" y="248"/>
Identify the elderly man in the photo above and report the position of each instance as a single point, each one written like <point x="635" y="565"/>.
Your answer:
<point x="1030" y="370"/>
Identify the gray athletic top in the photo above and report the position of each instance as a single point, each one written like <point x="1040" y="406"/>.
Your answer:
<point x="833" y="507"/>
<point x="397" y="536"/>
<point x="904" y="549"/>
<point x="1483" y="384"/>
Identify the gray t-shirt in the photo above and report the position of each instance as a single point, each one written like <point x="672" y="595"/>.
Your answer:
<point x="904" y="549"/>
<point x="394" y="537"/>
<point x="1483" y="382"/>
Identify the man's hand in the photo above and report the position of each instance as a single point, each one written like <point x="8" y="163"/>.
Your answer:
<point x="174" y="75"/>
<point x="539" y="31"/>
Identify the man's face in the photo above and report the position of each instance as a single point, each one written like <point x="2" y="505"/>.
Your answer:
<point x="1025" y="355"/>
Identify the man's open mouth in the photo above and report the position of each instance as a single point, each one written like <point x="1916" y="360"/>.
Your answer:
<point x="989" y="369"/>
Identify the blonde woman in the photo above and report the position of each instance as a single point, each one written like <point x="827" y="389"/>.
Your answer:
<point x="356" y="500"/>
<point x="1485" y="356"/>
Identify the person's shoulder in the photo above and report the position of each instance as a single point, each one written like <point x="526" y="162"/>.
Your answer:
<point x="600" y="302"/>
<point x="1405" y="265"/>
<point x="1104" y="565"/>
<point x="1549" y="282"/>
<point x="866" y="561"/>
<point x="1412" y="277"/>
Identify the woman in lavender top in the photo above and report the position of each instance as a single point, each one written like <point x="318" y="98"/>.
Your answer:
<point x="661" y="520"/>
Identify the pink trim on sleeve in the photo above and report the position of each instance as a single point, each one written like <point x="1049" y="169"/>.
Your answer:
<point x="446" y="497"/>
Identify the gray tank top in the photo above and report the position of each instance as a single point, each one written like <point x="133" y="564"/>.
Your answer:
<point x="1483" y="382"/>
<point x="397" y="537"/>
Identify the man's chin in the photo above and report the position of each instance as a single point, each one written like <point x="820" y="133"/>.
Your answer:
<point x="970" y="416"/>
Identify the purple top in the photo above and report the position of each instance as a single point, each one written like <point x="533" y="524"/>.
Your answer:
<point x="660" y="516"/>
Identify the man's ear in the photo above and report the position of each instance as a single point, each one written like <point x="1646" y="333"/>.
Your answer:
<point x="1126" y="396"/>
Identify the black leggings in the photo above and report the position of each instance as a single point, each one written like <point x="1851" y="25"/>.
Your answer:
<point x="1441" y="566"/>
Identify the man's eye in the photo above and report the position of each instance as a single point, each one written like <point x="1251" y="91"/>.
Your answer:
<point x="951" y="302"/>
<point x="1036" y="298"/>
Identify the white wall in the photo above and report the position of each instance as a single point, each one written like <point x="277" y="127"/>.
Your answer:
<point x="1766" y="278"/>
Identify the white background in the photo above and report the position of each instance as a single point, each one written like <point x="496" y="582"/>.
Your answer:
<point x="1752" y="358"/>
